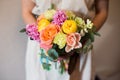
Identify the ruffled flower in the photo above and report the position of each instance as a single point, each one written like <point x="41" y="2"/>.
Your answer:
<point x="69" y="26"/>
<point x="73" y="42"/>
<point x="47" y="35"/>
<point x="59" y="17"/>
<point x="80" y="22"/>
<point x="32" y="32"/>
<point x="49" y="14"/>
<point x="42" y="23"/>
<point x="60" y="39"/>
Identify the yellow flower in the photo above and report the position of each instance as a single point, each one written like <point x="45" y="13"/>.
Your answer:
<point x="42" y="24"/>
<point x="60" y="39"/>
<point x="69" y="26"/>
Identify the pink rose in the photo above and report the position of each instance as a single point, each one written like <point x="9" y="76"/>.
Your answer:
<point x="73" y="42"/>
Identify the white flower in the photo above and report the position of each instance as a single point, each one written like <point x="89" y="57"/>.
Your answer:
<point x="89" y="24"/>
<point x="82" y="33"/>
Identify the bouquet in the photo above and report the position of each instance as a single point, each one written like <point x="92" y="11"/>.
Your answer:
<point x="59" y="33"/>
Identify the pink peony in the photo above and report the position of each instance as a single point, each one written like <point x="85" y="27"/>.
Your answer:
<point x="32" y="32"/>
<point x="73" y="42"/>
<point x="59" y="17"/>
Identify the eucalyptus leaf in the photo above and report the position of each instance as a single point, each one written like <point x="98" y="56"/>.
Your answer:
<point x="23" y="30"/>
<point x="53" y="54"/>
<point x="46" y="66"/>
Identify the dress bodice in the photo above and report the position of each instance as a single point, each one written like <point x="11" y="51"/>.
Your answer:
<point x="83" y="7"/>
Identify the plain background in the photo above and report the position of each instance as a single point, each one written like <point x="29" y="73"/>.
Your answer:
<point x="13" y="43"/>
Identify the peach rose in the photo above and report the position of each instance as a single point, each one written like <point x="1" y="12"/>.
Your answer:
<point x="73" y="42"/>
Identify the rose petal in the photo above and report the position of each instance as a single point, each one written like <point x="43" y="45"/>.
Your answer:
<point x="78" y="45"/>
<point x="69" y="48"/>
<point x="71" y="40"/>
<point x="78" y="37"/>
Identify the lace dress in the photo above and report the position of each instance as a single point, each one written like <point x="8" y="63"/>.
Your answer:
<point x="34" y="70"/>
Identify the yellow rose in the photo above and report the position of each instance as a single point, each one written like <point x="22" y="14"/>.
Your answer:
<point x="42" y="24"/>
<point x="69" y="26"/>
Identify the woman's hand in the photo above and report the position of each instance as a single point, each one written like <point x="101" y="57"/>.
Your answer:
<point x="27" y="6"/>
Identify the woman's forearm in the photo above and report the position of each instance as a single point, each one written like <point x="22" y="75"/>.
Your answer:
<point x="29" y="18"/>
<point x="101" y="7"/>
<point x="100" y="19"/>
<point x="27" y="6"/>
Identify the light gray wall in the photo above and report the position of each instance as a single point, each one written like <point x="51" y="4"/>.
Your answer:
<point x="107" y="48"/>
<point x="13" y="43"/>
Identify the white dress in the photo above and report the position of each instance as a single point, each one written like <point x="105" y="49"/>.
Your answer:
<point x="34" y="70"/>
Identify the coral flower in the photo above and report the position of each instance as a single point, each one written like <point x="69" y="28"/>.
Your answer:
<point x="73" y="42"/>
<point x="42" y="24"/>
<point x="69" y="26"/>
<point x="47" y="35"/>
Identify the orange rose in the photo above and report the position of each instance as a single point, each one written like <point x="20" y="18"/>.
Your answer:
<point x="47" y="34"/>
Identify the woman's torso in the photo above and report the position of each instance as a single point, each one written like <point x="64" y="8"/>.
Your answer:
<point x="82" y="7"/>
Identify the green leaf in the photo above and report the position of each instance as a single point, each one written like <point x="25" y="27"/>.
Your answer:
<point x="88" y="42"/>
<point x="86" y="46"/>
<point x="94" y="29"/>
<point x="46" y="66"/>
<point x="62" y="67"/>
<point x="53" y="54"/>
<point x="60" y="51"/>
<point x="52" y="6"/>
<point x="97" y="34"/>
<point x="23" y="30"/>
<point x="91" y="35"/>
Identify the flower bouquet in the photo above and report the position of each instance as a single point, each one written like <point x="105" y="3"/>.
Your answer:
<point x="61" y="33"/>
